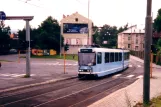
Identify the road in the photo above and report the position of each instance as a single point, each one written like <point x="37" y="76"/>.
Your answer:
<point x="73" y="92"/>
<point x="11" y="73"/>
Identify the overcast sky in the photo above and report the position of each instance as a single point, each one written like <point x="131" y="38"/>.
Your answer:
<point x="112" y="12"/>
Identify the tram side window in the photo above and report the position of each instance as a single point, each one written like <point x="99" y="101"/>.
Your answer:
<point x="116" y="57"/>
<point x="124" y="56"/>
<point x="107" y="57"/>
<point x="99" y="58"/>
<point x="111" y="57"/>
<point x="120" y="56"/>
<point x="128" y="55"/>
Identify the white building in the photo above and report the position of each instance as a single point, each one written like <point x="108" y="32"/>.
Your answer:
<point x="132" y="39"/>
<point x="74" y="29"/>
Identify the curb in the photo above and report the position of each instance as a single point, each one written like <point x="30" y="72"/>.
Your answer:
<point x="34" y="85"/>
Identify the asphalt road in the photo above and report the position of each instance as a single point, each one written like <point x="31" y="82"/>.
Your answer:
<point x="11" y="73"/>
<point x="73" y="92"/>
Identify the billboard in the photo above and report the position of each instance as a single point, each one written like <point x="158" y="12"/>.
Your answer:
<point x="75" y="28"/>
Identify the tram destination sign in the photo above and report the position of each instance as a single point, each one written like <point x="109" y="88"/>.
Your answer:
<point x="86" y="50"/>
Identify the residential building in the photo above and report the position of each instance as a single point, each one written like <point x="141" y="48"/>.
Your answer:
<point x="132" y="39"/>
<point x="74" y="29"/>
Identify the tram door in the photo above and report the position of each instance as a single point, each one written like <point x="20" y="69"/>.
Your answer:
<point x="99" y="62"/>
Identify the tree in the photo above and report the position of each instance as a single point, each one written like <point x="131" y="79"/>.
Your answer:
<point x="157" y="22"/>
<point x="96" y="35"/>
<point x="4" y="38"/>
<point x="121" y="29"/>
<point x="107" y="34"/>
<point x="46" y="36"/>
<point x="50" y="34"/>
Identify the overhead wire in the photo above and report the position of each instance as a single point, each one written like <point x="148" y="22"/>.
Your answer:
<point x="26" y="1"/>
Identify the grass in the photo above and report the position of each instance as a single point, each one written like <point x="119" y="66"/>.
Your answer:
<point x="26" y="76"/>
<point x="5" y="61"/>
<point x="68" y="57"/>
<point x="155" y="102"/>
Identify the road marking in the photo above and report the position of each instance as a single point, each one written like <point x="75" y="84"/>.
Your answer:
<point x="130" y="76"/>
<point x="6" y="78"/>
<point x="138" y="65"/>
<point x="139" y="77"/>
<point x="15" y="75"/>
<point x="4" y="74"/>
<point x="117" y="75"/>
<point x="130" y="65"/>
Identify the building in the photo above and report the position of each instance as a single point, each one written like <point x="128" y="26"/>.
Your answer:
<point x="74" y="29"/>
<point x="132" y="39"/>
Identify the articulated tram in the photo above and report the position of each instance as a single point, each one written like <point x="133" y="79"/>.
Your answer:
<point x="101" y="61"/>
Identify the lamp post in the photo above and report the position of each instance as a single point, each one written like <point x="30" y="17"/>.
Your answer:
<point x="148" y="37"/>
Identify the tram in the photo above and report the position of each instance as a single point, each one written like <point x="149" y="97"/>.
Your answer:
<point x="101" y="61"/>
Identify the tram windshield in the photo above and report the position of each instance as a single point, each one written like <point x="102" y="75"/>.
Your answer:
<point x="87" y="59"/>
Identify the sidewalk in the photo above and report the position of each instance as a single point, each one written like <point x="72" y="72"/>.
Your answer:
<point x="130" y="95"/>
<point x="42" y="72"/>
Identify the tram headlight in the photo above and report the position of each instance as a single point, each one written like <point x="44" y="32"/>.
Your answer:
<point x="80" y="70"/>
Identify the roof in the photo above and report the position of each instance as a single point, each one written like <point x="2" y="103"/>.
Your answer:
<point x="74" y="14"/>
<point x="133" y="29"/>
<point x="105" y="50"/>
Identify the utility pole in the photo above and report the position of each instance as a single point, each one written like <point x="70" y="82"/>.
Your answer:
<point x="60" y="43"/>
<point x="88" y="24"/>
<point x="148" y="37"/>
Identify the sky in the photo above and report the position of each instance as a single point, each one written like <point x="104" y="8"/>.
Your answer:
<point x="111" y="12"/>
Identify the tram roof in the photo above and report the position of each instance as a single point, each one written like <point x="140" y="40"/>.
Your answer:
<point x="105" y="50"/>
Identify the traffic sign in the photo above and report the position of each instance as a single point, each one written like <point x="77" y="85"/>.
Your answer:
<point x="2" y="15"/>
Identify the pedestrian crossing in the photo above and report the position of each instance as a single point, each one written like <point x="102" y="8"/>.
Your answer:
<point x="7" y="76"/>
<point x="128" y="76"/>
<point x="136" y="65"/>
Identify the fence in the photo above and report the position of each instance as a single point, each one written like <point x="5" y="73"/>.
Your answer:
<point x="140" y="54"/>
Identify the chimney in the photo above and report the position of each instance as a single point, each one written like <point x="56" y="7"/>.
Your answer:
<point x="64" y="16"/>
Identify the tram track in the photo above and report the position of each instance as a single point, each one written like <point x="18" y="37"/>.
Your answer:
<point x="73" y="88"/>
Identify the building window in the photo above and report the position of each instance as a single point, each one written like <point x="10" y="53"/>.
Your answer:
<point x="76" y="19"/>
<point x="129" y="45"/>
<point x="129" y="38"/>
<point x="136" y="48"/>
<point x="136" y="41"/>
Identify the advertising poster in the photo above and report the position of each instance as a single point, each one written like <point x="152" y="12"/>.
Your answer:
<point x="75" y="28"/>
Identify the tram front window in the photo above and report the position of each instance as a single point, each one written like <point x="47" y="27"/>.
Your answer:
<point x="87" y="59"/>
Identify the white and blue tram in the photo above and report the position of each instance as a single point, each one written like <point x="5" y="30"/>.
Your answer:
<point x="101" y="61"/>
